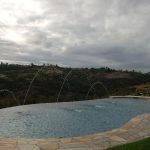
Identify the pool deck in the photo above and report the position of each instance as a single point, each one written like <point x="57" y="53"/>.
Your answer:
<point x="136" y="129"/>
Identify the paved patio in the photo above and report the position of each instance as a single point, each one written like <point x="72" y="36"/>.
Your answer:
<point x="136" y="129"/>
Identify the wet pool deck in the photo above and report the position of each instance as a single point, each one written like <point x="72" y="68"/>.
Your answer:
<point x="136" y="129"/>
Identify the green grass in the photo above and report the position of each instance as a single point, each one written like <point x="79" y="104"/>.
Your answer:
<point x="140" y="145"/>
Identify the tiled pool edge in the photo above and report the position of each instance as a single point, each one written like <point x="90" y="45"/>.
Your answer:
<point x="136" y="129"/>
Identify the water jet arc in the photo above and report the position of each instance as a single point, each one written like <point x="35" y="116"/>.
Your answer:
<point x="63" y="84"/>
<point x="28" y="90"/>
<point x="12" y="94"/>
<point x="93" y="85"/>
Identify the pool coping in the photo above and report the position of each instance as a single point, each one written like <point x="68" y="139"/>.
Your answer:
<point x="137" y="128"/>
<point x="131" y="96"/>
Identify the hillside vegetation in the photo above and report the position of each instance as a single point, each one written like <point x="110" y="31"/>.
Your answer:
<point x="46" y="86"/>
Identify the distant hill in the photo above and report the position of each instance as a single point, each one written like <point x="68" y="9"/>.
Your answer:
<point x="46" y="86"/>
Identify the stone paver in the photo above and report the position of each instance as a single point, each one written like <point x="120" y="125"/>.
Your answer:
<point x="48" y="146"/>
<point x="27" y="147"/>
<point x="136" y="129"/>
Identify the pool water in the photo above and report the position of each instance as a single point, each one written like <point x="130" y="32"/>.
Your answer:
<point x="69" y="119"/>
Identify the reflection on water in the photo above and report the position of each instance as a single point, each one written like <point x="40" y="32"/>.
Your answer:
<point x="69" y="119"/>
<point x="99" y="106"/>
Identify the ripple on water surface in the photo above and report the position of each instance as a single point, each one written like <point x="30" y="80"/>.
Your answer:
<point x="69" y="119"/>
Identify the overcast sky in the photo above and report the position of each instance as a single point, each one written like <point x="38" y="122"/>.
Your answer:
<point x="77" y="33"/>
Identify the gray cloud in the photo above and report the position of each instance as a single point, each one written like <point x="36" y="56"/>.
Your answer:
<point x="80" y="33"/>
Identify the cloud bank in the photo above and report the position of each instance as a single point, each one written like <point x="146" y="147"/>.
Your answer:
<point x="77" y="33"/>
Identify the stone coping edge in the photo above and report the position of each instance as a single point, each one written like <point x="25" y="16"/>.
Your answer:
<point x="131" y="96"/>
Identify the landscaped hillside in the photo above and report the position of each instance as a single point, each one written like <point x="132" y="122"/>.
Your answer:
<point x="47" y="83"/>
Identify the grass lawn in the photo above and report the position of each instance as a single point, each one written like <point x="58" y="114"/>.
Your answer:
<point x="140" y="145"/>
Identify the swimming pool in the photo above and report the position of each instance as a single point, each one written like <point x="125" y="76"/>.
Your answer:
<point x="69" y="119"/>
